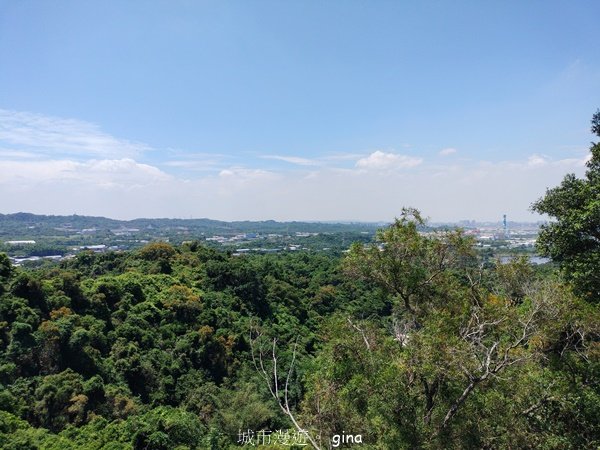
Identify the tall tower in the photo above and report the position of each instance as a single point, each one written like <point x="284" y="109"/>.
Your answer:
<point x="505" y="226"/>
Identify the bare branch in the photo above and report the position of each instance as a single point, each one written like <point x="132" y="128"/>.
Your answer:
<point x="272" y="382"/>
<point x="362" y="332"/>
<point x="492" y="357"/>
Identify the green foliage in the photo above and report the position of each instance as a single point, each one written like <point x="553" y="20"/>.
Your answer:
<point x="409" y="266"/>
<point x="159" y="255"/>
<point x="596" y="123"/>
<point x="95" y="351"/>
<point x="5" y="268"/>
<point x="152" y="349"/>
<point x="573" y="240"/>
<point x="470" y="357"/>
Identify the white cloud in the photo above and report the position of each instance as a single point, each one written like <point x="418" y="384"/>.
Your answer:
<point x="195" y="165"/>
<point x="536" y="160"/>
<point x="293" y="160"/>
<point x="379" y="160"/>
<point x="244" y="174"/>
<point x="542" y="160"/>
<point x="341" y="157"/>
<point x="447" y="151"/>
<point x="42" y="174"/>
<point x="54" y="135"/>
<point x="60" y="166"/>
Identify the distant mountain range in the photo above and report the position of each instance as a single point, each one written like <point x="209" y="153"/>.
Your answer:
<point x="42" y="223"/>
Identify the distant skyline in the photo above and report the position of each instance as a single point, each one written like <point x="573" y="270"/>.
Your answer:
<point x="310" y="111"/>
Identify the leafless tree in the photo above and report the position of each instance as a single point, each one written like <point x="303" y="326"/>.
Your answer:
<point x="271" y="376"/>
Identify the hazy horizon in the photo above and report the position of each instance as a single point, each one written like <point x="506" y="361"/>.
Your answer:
<point x="370" y="222"/>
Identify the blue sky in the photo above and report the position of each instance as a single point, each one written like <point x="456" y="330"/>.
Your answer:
<point x="334" y="110"/>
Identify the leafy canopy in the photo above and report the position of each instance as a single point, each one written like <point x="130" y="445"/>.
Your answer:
<point x="573" y="240"/>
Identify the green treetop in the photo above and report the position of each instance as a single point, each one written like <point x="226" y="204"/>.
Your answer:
<point x="573" y="240"/>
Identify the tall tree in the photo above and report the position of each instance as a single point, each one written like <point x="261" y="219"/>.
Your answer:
<point x="408" y="265"/>
<point x="573" y="240"/>
<point x="5" y="270"/>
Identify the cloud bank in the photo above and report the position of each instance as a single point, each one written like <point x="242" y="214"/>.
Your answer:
<point x="63" y="166"/>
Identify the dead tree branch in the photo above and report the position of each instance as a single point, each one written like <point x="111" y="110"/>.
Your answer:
<point x="272" y="380"/>
<point x="488" y="352"/>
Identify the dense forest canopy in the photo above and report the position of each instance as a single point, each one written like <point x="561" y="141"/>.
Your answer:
<point x="410" y="341"/>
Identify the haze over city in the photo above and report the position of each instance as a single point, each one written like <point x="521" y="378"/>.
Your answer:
<point x="293" y="111"/>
